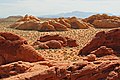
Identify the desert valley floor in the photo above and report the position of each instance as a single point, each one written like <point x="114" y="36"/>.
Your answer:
<point x="101" y="63"/>
<point x="82" y="36"/>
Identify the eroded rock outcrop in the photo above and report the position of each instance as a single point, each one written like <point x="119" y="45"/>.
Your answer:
<point x="106" y="23"/>
<point x="81" y="70"/>
<point x="46" y="26"/>
<point x="100" y="61"/>
<point x="15" y="48"/>
<point x="103" y="21"/>
<point x="99" y="17"/>
<point x="28" y="18"/>
<point x="78" y="24"/>
<point x="57" y="24"/>
<point x="110" y="40"/>
<point x="27" y="23"/>
<point x="54" y="42"/>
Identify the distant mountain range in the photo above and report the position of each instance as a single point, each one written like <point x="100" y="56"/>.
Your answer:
<point x="78" y="14"/>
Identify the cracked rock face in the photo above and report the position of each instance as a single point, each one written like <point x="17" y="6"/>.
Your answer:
<point x="15" y="48"/>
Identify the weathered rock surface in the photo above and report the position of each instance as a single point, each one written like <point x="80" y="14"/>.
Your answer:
<point x="27" y="23"/>
<point x="78" y="24"/>
<point x="54" y="42"/>
<point x="99" y="17"/>
<point x="64" y="22"/>
<point x="46" y="26"/>
<point x="81" y="70"/>
<point x="110" y="39"/>
<point x="58" y="24"/>
<point x="107" y="23"/>
<point x="29" y="18"/>
<point x="100" y="60"/>
<point x="71" y="42"/>
<point x="103" y="21"/>
<point x="15" y="48"/>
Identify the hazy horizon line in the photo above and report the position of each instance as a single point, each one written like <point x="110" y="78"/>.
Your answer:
<point x="59" y="13"/>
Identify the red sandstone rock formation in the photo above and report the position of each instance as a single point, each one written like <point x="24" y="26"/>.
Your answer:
<point x="71" y="42"/>
<point x="15" y="48"/>
<point x="100" y="61"/>
<point x="64" y="22"/>
<point x="47" y="27"/>
<point x="27" y="23"/>
<point x="53" y="37"/>
<point x="106" y="23"/>
<point x="58" y="26"/>
<point x="81" y="70"/>
<point x="28" y="18"/>
<point x="110" y="39"/>
<point x="102" y="51"/>
<point x="29" y="26"/>
<point x="78" y="24"/>
<point x="99" y="17"/>
<point x="103" y="21"/>
<point x="54" y="42"/>
<point x="51" y="44"/>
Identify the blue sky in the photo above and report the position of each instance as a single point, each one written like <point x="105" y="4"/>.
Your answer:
<point x="45" y="7"/>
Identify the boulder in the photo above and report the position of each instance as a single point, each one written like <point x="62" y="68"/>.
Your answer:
<point x="71" y="42"/>
<point x="53" y="37"/>
<point x="90" y="57"/>
<point x="51" y="44"/>
<point x="102" y="51"/>
<point x="54" y="42"/>
<point x="110" y="39"/>
<point x="15" y="48"/>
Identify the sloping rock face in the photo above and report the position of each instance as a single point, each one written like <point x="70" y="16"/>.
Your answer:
<point x="15" y="48"/>
<point x="54" y="42"/>
<point x="103" y="21"/>
<point x="110" y="39"/>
